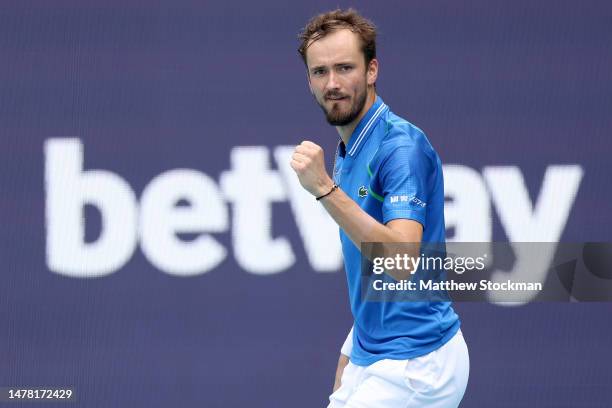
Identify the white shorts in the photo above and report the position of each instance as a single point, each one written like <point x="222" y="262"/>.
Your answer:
<point x="435" y="380"/>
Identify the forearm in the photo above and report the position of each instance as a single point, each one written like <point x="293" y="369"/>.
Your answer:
<point x="342" y="363"/>
<point x="358" y="225"/>
<point x="343" y="360"/>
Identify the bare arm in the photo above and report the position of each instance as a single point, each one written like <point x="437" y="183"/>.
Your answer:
<point x="361" y="227"/>
<point x="342" y="363"/>
<point x="343" y="360"/>
<point x="308" y="163"/>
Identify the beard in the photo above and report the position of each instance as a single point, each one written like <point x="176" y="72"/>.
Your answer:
<point x="336" y="116"/>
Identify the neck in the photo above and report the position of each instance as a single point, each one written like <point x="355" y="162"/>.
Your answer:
<point x="345" y="132"/>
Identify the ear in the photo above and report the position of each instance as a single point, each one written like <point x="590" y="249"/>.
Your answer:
<point x="372" y="72"/>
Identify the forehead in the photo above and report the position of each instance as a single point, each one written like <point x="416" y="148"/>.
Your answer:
<point x="338" y="46"/>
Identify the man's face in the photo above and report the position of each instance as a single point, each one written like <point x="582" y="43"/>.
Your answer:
<point x="338" y="77"/>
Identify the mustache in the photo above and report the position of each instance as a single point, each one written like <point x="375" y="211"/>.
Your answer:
<point x="334" y="94"/>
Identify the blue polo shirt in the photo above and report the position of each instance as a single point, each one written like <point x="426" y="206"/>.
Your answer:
<point x="391" y="171"/>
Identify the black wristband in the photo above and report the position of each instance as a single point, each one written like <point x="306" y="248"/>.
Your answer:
<point x="330" y="191"/>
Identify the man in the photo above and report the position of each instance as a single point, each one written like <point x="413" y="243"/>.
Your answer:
<point x="387" y="186"/>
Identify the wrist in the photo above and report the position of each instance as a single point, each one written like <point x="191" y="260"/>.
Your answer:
<point x="327" y="192"/>
<point x="325" y="187"/>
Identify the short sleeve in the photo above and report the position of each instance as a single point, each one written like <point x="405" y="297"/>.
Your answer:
<point x="404" y="176"/>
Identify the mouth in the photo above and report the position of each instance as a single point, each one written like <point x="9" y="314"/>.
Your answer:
<point x="336" y="99"/>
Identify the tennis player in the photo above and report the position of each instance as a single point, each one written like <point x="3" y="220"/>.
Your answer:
<point x="387" y="186"/>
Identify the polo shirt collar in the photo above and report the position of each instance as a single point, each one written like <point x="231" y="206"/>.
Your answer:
<point x="365" y="126"/>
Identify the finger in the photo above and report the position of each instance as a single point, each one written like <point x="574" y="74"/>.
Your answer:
<point x="305" y="150"/>
<point x="296" y="166"/>
<point x="309" y="144"/>
<point x="300" y="158"/>
<point x="311" y="147"/>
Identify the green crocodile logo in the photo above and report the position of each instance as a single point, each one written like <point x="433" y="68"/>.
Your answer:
<point x="363" y="191"/>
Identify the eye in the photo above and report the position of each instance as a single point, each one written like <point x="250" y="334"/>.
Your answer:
<point x="345" y="68"/>
<point x="318" y="72"/>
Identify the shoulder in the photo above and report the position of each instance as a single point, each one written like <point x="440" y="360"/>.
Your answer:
<point x="402" y="141"/>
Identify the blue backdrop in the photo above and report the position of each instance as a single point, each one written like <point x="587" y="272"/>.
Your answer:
<point x="513" y="95"/>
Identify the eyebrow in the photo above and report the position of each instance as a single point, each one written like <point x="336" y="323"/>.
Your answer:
<point x="339" y="64"/>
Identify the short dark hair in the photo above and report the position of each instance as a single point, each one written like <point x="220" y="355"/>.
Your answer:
<point x="321" y="25"/>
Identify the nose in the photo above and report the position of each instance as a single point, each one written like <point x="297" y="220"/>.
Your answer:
<point x="332" y="81"/>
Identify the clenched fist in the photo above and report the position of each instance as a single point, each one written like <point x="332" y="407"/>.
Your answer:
<point x="309" y="164"/>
